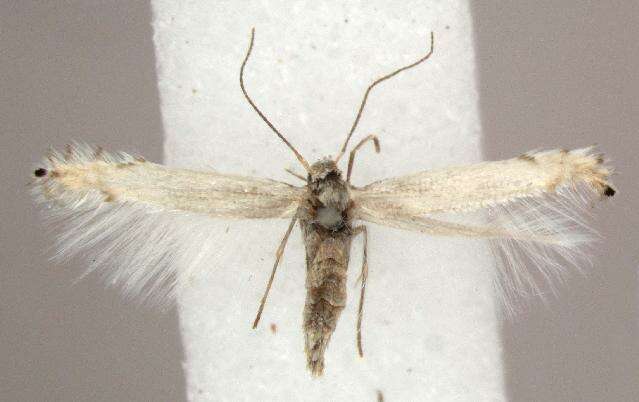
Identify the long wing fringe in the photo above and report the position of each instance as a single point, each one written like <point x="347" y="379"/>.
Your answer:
<point x="132" y="247"/>
<point x="537" y="213"/>
<point x="150" y="252"/>
<point x="547" y="236"/>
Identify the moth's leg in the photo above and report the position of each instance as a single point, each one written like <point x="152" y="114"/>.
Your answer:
<point x="351" y="158"/>
<point x="363" y="276"/>
<point x="278" y="256"/>
<point x="299" y="176"/>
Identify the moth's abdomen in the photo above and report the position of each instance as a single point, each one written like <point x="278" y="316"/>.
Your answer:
<point x="325" y="300"/>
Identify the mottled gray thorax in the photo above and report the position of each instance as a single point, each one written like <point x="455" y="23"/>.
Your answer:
<point x="324" y="213"/>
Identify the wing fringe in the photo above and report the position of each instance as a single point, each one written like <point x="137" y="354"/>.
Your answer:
<point x="535" y="210"/>
<point x="548" y="236"/>
<point x="150" y="252"/>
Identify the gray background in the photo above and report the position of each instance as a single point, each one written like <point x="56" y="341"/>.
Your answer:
<point x="551" y="74"/>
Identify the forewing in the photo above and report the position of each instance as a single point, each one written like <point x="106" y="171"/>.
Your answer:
<point x="531" y="208"/>
<point x="136" y="219"/>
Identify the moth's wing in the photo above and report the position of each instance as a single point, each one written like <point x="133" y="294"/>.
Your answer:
<point x="532" y="207"/>
<point x="140" y="221"/>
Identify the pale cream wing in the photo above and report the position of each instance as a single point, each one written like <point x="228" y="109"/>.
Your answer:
<point x="85" y="174"/>
<point x="137" y="218"/>
<point x="531" y="207"/>
<point x="469" y="188"/>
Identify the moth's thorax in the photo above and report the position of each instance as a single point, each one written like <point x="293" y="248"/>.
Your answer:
<point x="328" y="194"/>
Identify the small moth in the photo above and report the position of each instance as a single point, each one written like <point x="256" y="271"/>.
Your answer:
<point x="530" y="207"/>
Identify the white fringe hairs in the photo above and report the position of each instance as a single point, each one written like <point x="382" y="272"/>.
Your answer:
<point x="138" y="221"/>
<point x="551" y="230"/>
<point x="550" y="234"/>
<point x="137" y="245"/>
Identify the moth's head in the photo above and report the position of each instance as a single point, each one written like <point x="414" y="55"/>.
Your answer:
<point x="324" y="169"/>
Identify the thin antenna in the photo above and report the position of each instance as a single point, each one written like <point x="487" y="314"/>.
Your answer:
<point x="259" y="112"/>
<point x="377" y="81"/>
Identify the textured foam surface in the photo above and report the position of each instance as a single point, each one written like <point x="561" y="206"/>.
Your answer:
<point x="430" y="331"/>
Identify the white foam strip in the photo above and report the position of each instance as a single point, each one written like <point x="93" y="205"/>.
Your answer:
<point x="430" y="330"/>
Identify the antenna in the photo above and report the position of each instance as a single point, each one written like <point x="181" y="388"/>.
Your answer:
<point x="259" y="112"/>
<point x="377" y="81"/>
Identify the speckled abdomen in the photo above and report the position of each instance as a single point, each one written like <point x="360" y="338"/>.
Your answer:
<point x="325" y="298"/>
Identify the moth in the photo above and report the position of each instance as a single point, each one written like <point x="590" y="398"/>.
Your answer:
<point x="130" y="214"/>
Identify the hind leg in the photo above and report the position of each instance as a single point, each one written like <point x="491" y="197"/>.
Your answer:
<point x="278" y="257"/>
<point x="363" y="277"/>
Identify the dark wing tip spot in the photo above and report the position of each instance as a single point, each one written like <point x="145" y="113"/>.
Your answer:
<point x="609" y="191"/>
<point x="40" y="172"/>
<point x="527" y="157"/>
